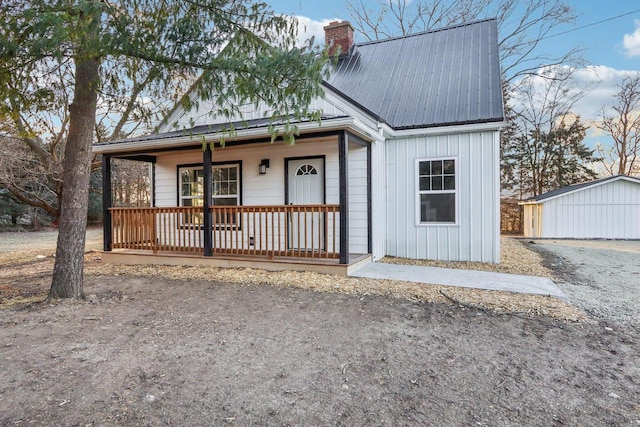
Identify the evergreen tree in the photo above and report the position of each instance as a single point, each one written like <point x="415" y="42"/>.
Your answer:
<point x="240" y="51"/>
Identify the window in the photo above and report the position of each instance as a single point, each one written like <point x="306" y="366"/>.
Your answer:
<point x="225" y="184"/>
<point x="437" y="191"/>
<point x="306" y="170"/>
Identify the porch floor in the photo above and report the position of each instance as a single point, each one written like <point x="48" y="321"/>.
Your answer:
<point x="326" y="266"/>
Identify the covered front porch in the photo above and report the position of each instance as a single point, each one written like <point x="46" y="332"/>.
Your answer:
<point x="225" y="213"/>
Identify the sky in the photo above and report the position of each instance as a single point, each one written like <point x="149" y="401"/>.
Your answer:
<point x="607" y="31"/>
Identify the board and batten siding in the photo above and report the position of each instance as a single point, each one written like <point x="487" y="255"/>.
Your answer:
<point x="608" y="211"/>
<point x="476" y="236"/>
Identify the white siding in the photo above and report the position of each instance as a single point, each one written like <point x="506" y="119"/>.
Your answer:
<point x="256" y="189"/>
<point x="358" y="221"/>
<point x="610" y="211"/>
<point x="476" y="236"/>
<point x="269" y="189"/>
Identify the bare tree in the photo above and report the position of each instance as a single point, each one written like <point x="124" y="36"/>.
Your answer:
<point x="522" y="25"/>
<point x="622" y="124"/>
<point x="545" y="148"/>
<point x="130" y="183"/>
<point x="35" y="138"/>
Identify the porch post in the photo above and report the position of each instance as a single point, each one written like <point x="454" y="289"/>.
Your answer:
<point x="107" y="200"/>
<point x="343" y="153"/>
<point x="208" y="190"/>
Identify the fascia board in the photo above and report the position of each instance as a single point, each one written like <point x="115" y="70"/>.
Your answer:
<point x="476" y="127"/>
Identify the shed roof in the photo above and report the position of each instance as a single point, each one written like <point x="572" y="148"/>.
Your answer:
<point x="448" y="76"/>
<point x="215" y="128"/>
<point x="578" y="187"/>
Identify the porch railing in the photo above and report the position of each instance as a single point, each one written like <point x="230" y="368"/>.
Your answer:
<point x="305" y="231"/>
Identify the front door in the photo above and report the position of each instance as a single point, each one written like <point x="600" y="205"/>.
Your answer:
<point x="306" y="187"/>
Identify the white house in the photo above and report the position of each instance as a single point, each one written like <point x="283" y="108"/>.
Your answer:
<point x="607" y="208"/>
<point x="405" y="162"/>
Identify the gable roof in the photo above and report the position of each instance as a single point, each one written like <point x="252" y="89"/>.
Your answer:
<point x="445" y="77"/>
<point x="578" y="187"/>
<point x="449" y="76"/>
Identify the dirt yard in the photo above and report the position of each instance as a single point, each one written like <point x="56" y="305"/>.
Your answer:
<point x="182" y="347"/>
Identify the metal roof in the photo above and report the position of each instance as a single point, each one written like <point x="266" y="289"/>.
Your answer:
<point x="435" y="78"/>
<point x="582" y="185"/>
<point x="442" y="77"/>
<point x="214" y="128"/>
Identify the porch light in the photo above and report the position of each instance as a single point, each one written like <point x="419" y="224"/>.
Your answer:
<point x="262" y="167"/>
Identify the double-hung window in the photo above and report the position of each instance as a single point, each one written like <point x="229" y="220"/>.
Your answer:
<point x="436" y="198"/>
<point x="225" y="184"/>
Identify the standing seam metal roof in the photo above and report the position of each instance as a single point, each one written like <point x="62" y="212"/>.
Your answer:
<point x="441" y="77"/>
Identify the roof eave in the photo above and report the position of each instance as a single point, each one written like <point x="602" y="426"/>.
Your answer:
<point x="541" y="199"/>
<point x="344" y="123"/>
<point x="491" y="125"/>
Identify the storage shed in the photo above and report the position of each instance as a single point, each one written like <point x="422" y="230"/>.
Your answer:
<point x="607" y="208"/>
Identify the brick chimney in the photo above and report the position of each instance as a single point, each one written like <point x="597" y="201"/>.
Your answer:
<point x="338" y="34"/>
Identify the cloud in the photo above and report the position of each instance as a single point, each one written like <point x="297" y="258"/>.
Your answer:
<point x="631" y="42"/>
<point x="603" y="96"/>
<point x="603" y="82"/>
<point x="308" y="28"/>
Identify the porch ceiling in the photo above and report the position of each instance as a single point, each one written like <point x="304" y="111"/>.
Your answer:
<point x="245" y="132"/>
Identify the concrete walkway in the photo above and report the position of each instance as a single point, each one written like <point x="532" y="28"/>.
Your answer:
<point x="464" y="278"/>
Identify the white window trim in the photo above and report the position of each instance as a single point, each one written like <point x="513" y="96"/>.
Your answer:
<point x="417" y="193"/>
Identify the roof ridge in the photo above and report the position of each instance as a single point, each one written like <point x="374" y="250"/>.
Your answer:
<point x="421" y="33"/>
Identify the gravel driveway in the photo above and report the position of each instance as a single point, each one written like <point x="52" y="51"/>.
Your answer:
<point x="601" y="277"/>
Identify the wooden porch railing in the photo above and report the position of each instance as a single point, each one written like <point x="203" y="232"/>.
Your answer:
<point x="304" y="231"/>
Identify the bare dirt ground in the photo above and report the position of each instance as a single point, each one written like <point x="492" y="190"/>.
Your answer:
<point x="181" y="347"/>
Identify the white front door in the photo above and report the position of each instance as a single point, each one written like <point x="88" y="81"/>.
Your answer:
<point x="306" y="187"/>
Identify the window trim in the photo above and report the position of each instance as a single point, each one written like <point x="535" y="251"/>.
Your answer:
<point x="418" y="192"/>
<point x="200" y="166"/>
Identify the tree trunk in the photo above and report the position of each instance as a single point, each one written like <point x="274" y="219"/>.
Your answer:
<point x="68" y="270"/>
<point x="622" y="163"/>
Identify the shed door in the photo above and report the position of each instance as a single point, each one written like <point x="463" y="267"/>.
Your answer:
<point x="306" y="187"/>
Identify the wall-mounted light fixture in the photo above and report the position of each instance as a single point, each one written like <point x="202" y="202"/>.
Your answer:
<point x="262" y="167"/>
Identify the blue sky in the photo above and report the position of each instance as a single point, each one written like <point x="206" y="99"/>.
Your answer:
<point x="603" y="42"/>
<point x="611" y="48"/>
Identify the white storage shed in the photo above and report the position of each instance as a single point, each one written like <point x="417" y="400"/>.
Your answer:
<point x="607" y="208"/>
